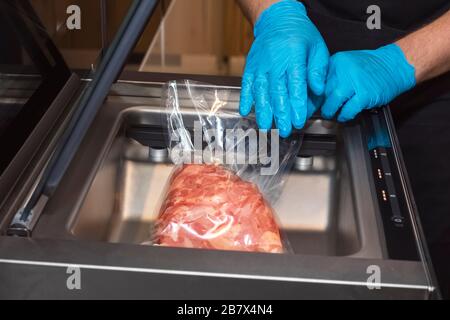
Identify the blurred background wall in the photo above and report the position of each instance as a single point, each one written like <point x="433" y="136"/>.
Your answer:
<point x="184" y="36"/>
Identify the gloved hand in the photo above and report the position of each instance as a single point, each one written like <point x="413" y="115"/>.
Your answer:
<point x="359" y="80"/>
<point x="288" y="55"/>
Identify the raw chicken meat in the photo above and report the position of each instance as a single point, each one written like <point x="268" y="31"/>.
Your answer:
<point x="209" y="207"/>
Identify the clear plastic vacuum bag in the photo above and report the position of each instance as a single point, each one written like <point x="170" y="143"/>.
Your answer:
<point x="228" y="174"/>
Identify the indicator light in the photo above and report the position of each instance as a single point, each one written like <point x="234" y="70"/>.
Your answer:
<point x="380" y="174"/>
<point x="384" y="194"/>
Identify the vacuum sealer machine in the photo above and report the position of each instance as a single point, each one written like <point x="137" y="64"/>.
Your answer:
<point x="82" y="168"/>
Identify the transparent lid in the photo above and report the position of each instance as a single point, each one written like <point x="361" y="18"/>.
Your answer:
<point x="32" y="72"/>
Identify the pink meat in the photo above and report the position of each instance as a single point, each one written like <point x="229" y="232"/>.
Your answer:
<point x="209" y="207"/>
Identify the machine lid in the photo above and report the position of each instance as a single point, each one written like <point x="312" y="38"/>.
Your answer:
<point x="32" y="73"/>
<point x="90" y="101"/>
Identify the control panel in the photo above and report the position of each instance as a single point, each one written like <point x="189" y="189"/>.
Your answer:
<point x="390" y="192"/>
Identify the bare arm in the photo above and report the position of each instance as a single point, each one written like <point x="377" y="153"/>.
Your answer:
<point x="428" y="49"/>
<point x="253" y="8"/>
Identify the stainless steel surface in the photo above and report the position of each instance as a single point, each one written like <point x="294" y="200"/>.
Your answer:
<point x="37" y="269"/>
<point x="123" y="202"/>
<point x="105" y="206"/>
<point x="119" y="187"/>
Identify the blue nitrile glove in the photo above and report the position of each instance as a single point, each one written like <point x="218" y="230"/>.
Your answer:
<point x="366" y="79"/>
<point x="288" y="56"/>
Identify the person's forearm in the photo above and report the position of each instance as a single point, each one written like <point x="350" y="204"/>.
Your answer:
<point x="428" y="49"/>
<point x="253" y="8"/>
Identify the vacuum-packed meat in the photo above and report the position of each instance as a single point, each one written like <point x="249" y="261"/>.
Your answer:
<point x="209" y="207"/>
